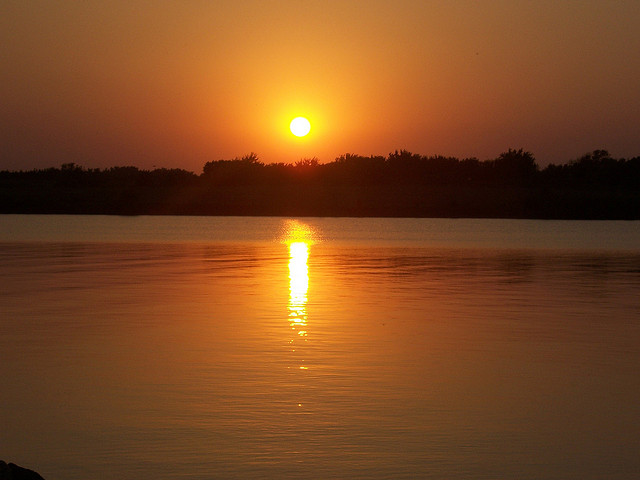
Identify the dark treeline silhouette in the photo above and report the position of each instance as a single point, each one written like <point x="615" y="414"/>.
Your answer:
<point x="595" y="186"/>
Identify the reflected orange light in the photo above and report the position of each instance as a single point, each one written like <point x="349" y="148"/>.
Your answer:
<point x="298" y="237"/>
<point x="298" y="285"/>
<point x="294" y="232"/>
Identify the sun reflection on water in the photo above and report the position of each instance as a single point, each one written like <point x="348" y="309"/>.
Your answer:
<point x="299" y="238"/>
<point x="298" y="286"/>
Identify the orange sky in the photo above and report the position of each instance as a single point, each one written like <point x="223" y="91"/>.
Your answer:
<point x="178" y="83"/>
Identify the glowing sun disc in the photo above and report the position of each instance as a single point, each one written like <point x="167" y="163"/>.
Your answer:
<point x="300" y="126"/>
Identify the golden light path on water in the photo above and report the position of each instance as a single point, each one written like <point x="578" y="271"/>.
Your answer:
<point x="298" y="286"/>
<point x="299" y="238"/>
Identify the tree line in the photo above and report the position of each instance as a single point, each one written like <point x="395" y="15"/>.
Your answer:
<point x="594" y="186"/>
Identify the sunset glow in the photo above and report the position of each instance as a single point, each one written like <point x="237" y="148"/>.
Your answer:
<point x="320" y="239"/>
<point x="178" y="84"/>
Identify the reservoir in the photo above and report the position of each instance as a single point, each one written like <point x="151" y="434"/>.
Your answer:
<point x="267" y="347"/>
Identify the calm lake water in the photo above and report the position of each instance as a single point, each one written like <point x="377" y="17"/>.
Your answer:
<point x="235" y="348"/>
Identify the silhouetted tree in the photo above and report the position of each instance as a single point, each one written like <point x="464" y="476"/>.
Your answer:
<point x="595" y="185"/>
<point x="515" y="167"/>
<point x="307" y="163"/>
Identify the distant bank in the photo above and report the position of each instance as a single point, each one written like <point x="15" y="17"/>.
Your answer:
<point x="403" y="184"/>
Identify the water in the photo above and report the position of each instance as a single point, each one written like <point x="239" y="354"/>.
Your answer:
<point x="202" y="348"/>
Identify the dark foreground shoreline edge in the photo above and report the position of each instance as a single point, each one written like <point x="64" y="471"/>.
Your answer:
<point x="11" y="471"/>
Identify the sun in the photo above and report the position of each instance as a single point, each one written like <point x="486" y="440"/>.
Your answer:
<point x="300" y="126"/>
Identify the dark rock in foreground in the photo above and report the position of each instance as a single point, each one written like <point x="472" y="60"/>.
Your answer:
<point x="12" y="471"/>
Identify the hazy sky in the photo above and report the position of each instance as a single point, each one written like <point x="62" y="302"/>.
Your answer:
<point x="179" y="83"/>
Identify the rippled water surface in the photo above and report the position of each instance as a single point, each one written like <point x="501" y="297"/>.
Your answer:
<point x="229" y="348"/>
